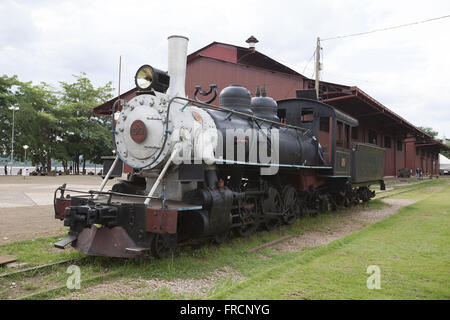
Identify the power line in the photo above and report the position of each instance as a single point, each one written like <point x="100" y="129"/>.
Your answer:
<point x="385" y="29"/>
<point x="309" y="62"/>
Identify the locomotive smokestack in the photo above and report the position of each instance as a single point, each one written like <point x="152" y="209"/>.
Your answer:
<point x="177" y="65"/>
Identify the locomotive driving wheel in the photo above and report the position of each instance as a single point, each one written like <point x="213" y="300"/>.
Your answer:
<point x="290" y="205"/>
<point x="220" y="238"/>
<point x="163" y="245"/>
<point x="273" y="208"/>
<point x="248" y="220"/>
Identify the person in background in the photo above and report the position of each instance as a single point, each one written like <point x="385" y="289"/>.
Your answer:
<point x="6" y="169"/>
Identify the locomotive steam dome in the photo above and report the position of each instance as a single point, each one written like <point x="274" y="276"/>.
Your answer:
<point x="236" y="97"/>
<point x="264" y="107"/>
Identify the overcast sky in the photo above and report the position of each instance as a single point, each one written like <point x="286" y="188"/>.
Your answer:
<point x="406" y="69"/>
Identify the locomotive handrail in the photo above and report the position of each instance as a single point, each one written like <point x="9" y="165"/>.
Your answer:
<point x="92" y="192"/>
<point x="203" y="104"/>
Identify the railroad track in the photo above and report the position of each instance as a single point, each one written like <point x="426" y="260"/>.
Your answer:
<point x="24" y="276"/>
<point x="61" y="290"/>
<point x="394" y="194"/>
<point x="99" y="278"/>
<point x="41" y="267"/>
<point x="51" y="265"/>
<point x="402" y="189"/>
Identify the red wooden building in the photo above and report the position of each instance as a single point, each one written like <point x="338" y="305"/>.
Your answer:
<point x="224" y="64"/>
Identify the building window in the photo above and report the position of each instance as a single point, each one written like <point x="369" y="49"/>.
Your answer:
<point x="324" y="124"/>
<point x="282" y="115"/>
<point x="347" y="136"/>
<point x="307" y="115"/>
<point x="387" y="142"/>
<point x="355" y="133"/>
<point x="399" y="145"/>
<point x="372" y="137"/>
<point x="339" y="134"/>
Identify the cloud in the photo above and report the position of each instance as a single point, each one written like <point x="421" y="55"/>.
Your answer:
<point x="406" y="69"/>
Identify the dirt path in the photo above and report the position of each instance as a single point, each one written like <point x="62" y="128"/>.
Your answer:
<point x="24" y="223"/>
<point x="26" y="205"/>
<point x="126" y="288"/>
<point x="356" y="221"/>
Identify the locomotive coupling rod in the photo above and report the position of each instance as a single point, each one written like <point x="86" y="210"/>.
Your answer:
<point x="176" y="149"/>
<point x="254" y="193"/>
<point x="100" y="189"/>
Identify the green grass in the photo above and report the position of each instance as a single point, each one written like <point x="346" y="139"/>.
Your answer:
<point x="38" y="251"/>
<point x="423" y="189"/>
<point x="411" y="248"/>
<point x="337" y="270"/>
<point x="187" y="264"/>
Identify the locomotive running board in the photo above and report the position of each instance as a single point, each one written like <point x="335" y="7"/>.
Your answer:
<point x="66" y="241"/>
<point x="137" y="249"/>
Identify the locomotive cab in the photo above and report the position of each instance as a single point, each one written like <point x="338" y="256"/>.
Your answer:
<point x="360" y="163"/>
<point x="332" y="127"/>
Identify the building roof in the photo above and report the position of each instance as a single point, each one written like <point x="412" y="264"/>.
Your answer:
<point x="240" y="55"/>
<point x="221" y="52"/>
<point x="349" y="99"/>
<point x="443" y="160"/>
<point x="353" y="100"/>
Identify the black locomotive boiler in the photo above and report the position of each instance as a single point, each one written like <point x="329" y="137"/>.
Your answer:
<point x="203" y="172"/>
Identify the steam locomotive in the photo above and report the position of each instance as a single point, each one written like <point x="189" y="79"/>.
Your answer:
<point x="202" y="171"/>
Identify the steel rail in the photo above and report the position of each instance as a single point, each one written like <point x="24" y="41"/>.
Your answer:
<point x="48" y="265"/>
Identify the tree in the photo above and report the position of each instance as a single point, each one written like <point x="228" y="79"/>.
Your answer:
<point x="429" y="131"/>
<point x="8" y="86"/>
<point x="446" y="153"/>
<point x="84" y="133"/>
<point x="36" y="122"/>
<point x="434" y="134"/>
<point x="56" y="124"/>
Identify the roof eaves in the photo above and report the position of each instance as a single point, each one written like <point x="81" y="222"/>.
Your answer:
<point x="359" y="92"/>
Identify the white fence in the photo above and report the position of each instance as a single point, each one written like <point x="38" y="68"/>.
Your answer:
<point x="15" y="169"/>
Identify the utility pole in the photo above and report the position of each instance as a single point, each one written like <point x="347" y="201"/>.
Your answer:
<point x="13" y="108"/>
<point x="317" y="66"/>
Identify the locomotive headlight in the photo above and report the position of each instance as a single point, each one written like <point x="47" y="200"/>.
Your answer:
<point x="148" y="78"/>
<point x="144" y="77"/>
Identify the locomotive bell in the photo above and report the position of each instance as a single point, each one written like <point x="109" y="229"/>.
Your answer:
<point x="236" y="97"/>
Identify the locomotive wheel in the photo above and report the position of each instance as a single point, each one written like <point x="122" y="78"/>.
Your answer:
<point x="163" y="245"/>
<point x="249" y="222"/>
<point x="272" y="224"/>
<point x="291" y="207"/>
<point x="220" y="238"/>
<point x="356" y="198"/>
<point x="273" y="205"/>
<point x="324" y="204"/>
